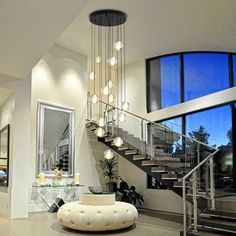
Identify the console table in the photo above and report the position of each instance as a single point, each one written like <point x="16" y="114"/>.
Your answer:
<point x="52" y="190"/>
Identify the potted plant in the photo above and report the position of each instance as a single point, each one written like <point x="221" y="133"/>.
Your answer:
<point x="129" y="194"/>
<point x="109" y="167"/>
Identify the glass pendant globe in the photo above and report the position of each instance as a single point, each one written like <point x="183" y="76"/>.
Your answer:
<point x="125" y="106"/>
<point x="110" y="98"/>
<point x="105" y="90"/>
<point x="94" y="98"/>
<point x="118" y="45"/>
<point x="122" y="116"/>
<point x="112" y="61"/>
<point x="118" y="141"/>
<point x="108" y="154"/>
<point x="110" y="84"/>
<point x="98" y="59"/>
<point x="100" y="132"/>
<point x="101" y="122"/>
<point x="91" y="75"/>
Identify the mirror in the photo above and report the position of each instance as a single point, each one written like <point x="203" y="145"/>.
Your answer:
<point x="55" y="140"/>
<point x="4" y="155"/>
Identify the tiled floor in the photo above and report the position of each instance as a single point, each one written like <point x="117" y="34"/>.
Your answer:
<point x="46" y="224"/>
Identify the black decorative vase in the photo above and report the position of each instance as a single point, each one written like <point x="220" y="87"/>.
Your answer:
<point x="111" y="187"/>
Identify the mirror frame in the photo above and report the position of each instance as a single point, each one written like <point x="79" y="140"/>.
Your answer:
<point x="40" y="133"/>
<point x="7" y="127"/>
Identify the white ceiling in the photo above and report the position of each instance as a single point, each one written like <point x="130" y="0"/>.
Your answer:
<point x="28" y="29"/>
<point x="156" y="27"/>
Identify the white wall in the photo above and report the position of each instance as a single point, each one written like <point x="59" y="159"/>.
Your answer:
<point x="6" y="117"/>
<point x="19" y="149"/>
<point x="60" y="78"/>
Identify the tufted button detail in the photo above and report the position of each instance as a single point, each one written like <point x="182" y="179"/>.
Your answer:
<point x="87" y="217"/>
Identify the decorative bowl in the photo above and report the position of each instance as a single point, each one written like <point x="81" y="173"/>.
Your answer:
<point x="96" y="190"/>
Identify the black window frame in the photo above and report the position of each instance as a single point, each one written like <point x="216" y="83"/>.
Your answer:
<point x="232" y="73"/>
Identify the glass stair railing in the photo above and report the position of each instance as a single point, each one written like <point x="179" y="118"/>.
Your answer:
<point x="183" y="164"/>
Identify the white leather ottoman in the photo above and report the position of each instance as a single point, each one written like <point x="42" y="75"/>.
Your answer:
<point x="95" y="217"/>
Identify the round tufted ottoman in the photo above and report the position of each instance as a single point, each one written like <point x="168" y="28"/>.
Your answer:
<point x="77" y="215"/>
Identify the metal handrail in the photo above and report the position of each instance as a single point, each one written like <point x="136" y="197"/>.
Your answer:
<point x="212" y="194"/>
<point x="153" y="123"/>
<point x="200" y="164"/>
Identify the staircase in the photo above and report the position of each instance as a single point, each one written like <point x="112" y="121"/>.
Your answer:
<point x="188" y="171"/>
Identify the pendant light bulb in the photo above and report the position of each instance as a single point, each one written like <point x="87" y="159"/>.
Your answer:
<point x="118" y="141"/>
<point x="108" y="154"/>
<point x="118" y="45"/>
<point x="111" y="98"/>
<point x="105" y="90"/>
<point x="98" y="59"/>
<point x="110" y="84"/>
<point x="122" y="116"/>
<point x="112" y="61"/>
<point x="125" y="106"/>
<point x="100" y="132"/>
<point x="94" y="98"/>
<point x="92" y="75"/>
<point x="101" y="122"/>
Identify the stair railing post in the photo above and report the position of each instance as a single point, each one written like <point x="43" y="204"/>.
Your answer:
<point x="113" y="122"/>
<point x="151" y="142"/>
<point x="184" y="209"/>
<point x="212" y="184"/>
<point x="185" y="155"/>
<point x="106" y="118"/>
<point x="142" y="148"/>
<point x="207" y="178"/>
<point x="194" y="201"/>
<point x="198" y="161"/>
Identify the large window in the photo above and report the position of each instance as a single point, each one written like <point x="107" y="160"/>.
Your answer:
<point x="163" y="87"/>
<point x="205" y="73"/>
<point x="214" y="126"/>
<point x="170" y="81"/>
<point x="234" y="69"/>
<point x="177" y="78"/>
<point x="216" y="122"/>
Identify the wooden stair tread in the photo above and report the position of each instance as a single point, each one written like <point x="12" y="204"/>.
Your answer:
<point x="109" y="138"/>
<point x="169" y="176"/>
<point x="131" y="152"/>
<point x="139" y="157"/>
<point x="159" y="169"/>
<point x="123" y="147"/>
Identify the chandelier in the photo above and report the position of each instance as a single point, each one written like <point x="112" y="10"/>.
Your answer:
<point x="107" y="64"/>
